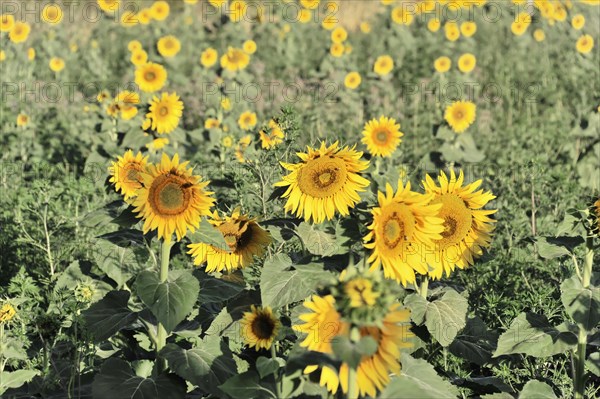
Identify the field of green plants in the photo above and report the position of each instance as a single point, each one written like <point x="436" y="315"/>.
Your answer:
<point x="300" y="199"/>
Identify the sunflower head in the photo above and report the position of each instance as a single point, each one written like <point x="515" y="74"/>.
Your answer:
<point x="326" y="181"/>
<point x="168" y="46"/>
<point x="235" y="59"/>
<point x="260" y="327"/>
<point x="382" y="136"/>
<point x="150" y="77"/>
<point x="272" y="136"/>
<point x="460" y="115"/>
<point x="165" y="112"/>
<point x="7" y="312"/>
<point x="126" y="172"/>
<point x="594" y="219"/>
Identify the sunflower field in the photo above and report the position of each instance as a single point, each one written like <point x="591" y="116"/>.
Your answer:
<point x="300" y="199"/>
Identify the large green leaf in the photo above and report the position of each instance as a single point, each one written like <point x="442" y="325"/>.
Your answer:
<point x="582" y="304"/>
<point x="119" y="263"/>
<point x="248" y="385"/>
<point x="593" y="363"/>
<point x="537" y="390"/>
<point x="418" y="379"/>
<point x="279" y="286"/>
<point x="475" y="343"/>
<point x="208" y="366"/>
<point x="170" y="301"/>
<point x="532" y="334"/>
<point x="316" y="241"/>
<point x="118" y="381"/>
<point x="214" y="289"/>
<point x="15" y="379"/>
<point x="109" y="315"/>
<point x="209" y="234"/>
<point x="555" y="247"/>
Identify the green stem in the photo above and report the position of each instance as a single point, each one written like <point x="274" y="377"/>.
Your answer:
<point x="352" y="384"/>
<point x="161" y="335"/>
<point x="579" y="377"/>
<point x="277" y="382"/>
<point x="424" y="286"/>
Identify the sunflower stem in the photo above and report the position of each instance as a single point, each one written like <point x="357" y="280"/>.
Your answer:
<point x="161" y="334"/>
<point x="352" y="384"/>
<point x="579" y="377"/>
<point x="277" y="382"/>
<point x="424" y="287"/>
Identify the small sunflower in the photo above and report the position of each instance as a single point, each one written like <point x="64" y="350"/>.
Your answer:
<point x="467" y="62"/>
<point x="539" y="35"/>
<point x="235" y="59"/>
<point x="360" y="292"/>
<point x="452" y="31"/>
<point x="468" y="28"/>
<point x="227" y="141"/>
<point x="157" y="144"/>
<point x="57" y="64"/>
<point x="134" y="45"/>
<point x="150" y="77"/>
<point x="260" y="327"/>
<point x="327" y="180"/>
<point x="404" y="225"/>
<point x="434" y="25"/>
<point x="339" y="35"/>
<point x="460" y="115"/>
<point x="442" y="64"/>
<point x="273" y="137"/>
<point x="138" y="57"/>
<point x="243" y="143"/>
<point x="383" y="65"/>
<point x="7" y="21"/>
<point x="304" y="16"/>
<point x="52" y="14"/>
<point x="467" y="227"/>
<point x="126" y="172"/>
<point x="165" y="112"/>
<point x="578" y="22"/>
<point x="172" y="199"/>
<point x="310" y="4"/>
<point x="22" y="120"/>
<point x="247" y="120"/>
<point x="7" y="312"/>
<point x="382" y="136"/>
<point x="144" y="16"/>
<point x="19" y="32"/>
<point x="127" y="101"/>
<point x="244" y="237"/>
<point x="168" y="46"/>
<point x="237" y="10"/>
<point x="31" y="54"/>
<point x="401" y="16"/>
<point x="249" y="46"/>
<point x="160" y="10"/>
<point x="209" y="57"/>
<point x="212" y="123"/>
<point x="129" y="18"/>
<point x="352" y="80"/>
<point x="109" y="5"/>
<point x="321" y="325"/>
<point x="337" y="49"/>
<point x="585" y="44"/>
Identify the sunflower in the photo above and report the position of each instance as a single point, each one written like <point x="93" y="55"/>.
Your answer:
<point x="467" y="228"/>
<point x="304" y="16"/>
<point x="468" y="28"/>
<point x="139" y="57"/>
<point x="209" y="57"/>
<point x="321" y="325"/>
<point x="19" y="32"/>
<point x="235" y="59"/>
<point x="52" y="14"/>
<point x="2" y="55"/>
<point x="226" y="104"/>
<point x="404" y="225"/>
<point x="22" y="120"/>
<point x="217" y="3"/>
<point x="227" y="141"/>
<point x="243" y="143"/>
<point x="172" y="199"/>
<point x="212" y="123"/>
<point x="402" y="16"/>
<point x="352" y="80"/>
<point x="539" y="35"/>
<point x="360" y="292"/>
<point x="326" y="180"/>
<point x="442" y="64"/>
<point x="382" y="136"/>
<point x="244" y="237"/>
<point x="595" y="215"/>
<point x="259" y="327"/>
<point x="467" y="62"/>
<point x="365" y="27"/>
<point x="157" y="144"/>
<point x="310" y="4"/>
<point x="129" y="18"/>
<point x="273" y="137"/>
<point x="160" y="10"/>
<point x="7" y="21"/>
<point x="109" y="5"/>
<point x="247" y="120"/>
<point x="57" y="64"/>
<point x="165" y="112"/>
<point x="150" y="77"/>
<point x="249" y="46"/>
<point x="519" y="27"/>
<point x="434" y="25"/>
<point x="126" y="173"/>
<point x="237" y="10"/>
<point x="127" y="101"/>
<point x="585" y="44"/>
<point x="337" y="49"/>
<point x="329" y="22"/>
<point x="144" y="16"/>
<point x="383" y="65"/>
<point x="460" y="115"/>
<point x="134" y="45"/>
<point x="168" y="46"/>
<point x="339" y="35"/>
<point x="7" y="312"/>
<point x="452" y="31"/>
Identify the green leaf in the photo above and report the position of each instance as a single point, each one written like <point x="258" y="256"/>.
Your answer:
<point x="582" y="304"/>
<point x="116" y="380"/>
<point x="124" y="238"/>
<point x="418" y="379"/>
<point x="537" y="390"/>
<point x="266" y="366"/>
<point x="247" y="385"/>
<point x="170" y="301"/>
<point x="346" y="351"/>
<point x="418" y="307"/>
<point x="15" y="379"/>
<point x="446" y="316"/>
<point x="120" y="264"/>
<point x="555" y="247"/>
<point x="279" y="287"/>
<point x="317" y="242"/>
<point x="209" y="234"/>
<point x="109" y="315"/>
<point x="531" y="334"/>
<point x="208" y="366"/>
<point x="214" y="289"/>
<point x="475" y="343"/>
<point x="593" y="363"/>
<point x="501" y="395"/>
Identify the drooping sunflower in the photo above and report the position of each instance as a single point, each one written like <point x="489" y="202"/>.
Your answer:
<point x="382" y="136"/>
<point x="321" y="325"/>
<point x="327" y="180"/>
<point x="235" y="59"/>
<point x="383" y="65"/>
<point x="460" y="115"/>
<point x="126" y="172"/>
<point x="244" y="237"/>
<point x="209" y="57"/>
<point x="7" y="21"/>
<point x="467" y="227"/>
<point x="165" y="112"/>
<point x="272" y="137"/>
<point x="52" y="14"/>
<point x="150" y="77"/>
<point x="168" y="46"/>
<point x="404" y="226"/>
<point x="172" y="199"/>
<point x="19" y="32"/>
<point x="259" y="327"/>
